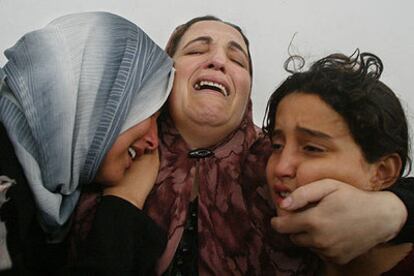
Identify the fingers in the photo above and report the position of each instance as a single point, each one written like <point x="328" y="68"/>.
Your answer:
<point x="143" y="168"/>
<point x="138" y="180"/>
<point x="334" y="228"/>
<point x="149" y="158"/>
<point x="310" y="193"/>
<point x="290" y="224"/>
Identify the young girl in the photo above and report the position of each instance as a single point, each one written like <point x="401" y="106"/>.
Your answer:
<point x="338" y="114"/>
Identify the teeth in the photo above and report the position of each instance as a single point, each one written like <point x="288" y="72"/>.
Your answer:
<point x="284" y="194"/>
<point x="210" y="83"/>
<point x="132" y="153"/>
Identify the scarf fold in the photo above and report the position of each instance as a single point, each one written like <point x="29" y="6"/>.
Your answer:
<point x="234" y="233"/>
<point x="75" y="85"/>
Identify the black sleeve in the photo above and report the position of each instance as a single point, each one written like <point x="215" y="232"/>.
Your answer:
<point x="123" y="240"/>
<point x="404" y="189"/>
<point x="26" y="241"/>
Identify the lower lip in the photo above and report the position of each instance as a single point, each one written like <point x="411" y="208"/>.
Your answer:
<point x="210" y="91"/>
<point x="278" y="198"/>
<point x="277" y="189"/>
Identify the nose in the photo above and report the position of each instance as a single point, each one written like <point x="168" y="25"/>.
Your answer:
<point x="284" y="164"/>
<point x="217" y="60"/>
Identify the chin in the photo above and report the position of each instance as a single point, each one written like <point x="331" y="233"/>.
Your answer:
<point x="210" y="118"/>
<point x="114" y="178"/>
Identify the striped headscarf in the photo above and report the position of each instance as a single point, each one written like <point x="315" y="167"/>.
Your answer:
<point x="75" y="85"/>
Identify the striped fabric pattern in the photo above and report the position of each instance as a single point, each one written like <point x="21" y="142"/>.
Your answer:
<point x="75" y="85"/>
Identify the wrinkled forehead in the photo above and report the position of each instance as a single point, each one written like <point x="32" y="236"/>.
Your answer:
<point x="308" y="111"/>
<point x="219" y="32"/>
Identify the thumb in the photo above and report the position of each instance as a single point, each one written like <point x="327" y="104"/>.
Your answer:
<point x="308" y="194"/>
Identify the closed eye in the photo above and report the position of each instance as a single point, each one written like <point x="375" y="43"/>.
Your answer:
<point x="196" y="49"/>
<point x="240" y="63"/>
<point x="238" y="58"/>
<point x="313" y="149"/>
<point x="194" y="52"/>
<point x="277" y="146"/>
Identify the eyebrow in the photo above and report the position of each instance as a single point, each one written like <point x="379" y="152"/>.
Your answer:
<point x="234" y="44"/>
<point x="209" y="40"/>
<point x="313" y="133"/>
<point x="276" y="133"/>
<point x="204" y="39"/>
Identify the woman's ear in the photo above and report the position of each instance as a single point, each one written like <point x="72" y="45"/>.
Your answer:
<point x="387" y="171"/>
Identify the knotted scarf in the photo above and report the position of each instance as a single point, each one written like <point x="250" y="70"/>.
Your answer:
<point x="234" y="233"/>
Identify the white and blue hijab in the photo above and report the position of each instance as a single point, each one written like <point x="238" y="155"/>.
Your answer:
<point x="75" y="85"/>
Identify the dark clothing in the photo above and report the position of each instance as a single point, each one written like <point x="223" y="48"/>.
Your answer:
<point x="185" y="261"/>
<point x="27" y="246"/>
<point x="123" y="240"/>
<point x="405" y="191"/>
<point x="404" y="267"/>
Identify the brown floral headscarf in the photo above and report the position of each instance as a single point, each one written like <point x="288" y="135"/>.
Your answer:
<point x="234" y="211"/>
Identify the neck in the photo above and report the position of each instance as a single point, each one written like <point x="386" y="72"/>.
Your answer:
<point x="201" y="136"/>
<point x="378" y="260"/>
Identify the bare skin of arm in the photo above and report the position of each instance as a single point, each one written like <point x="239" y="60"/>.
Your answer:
<point x="340" y="222"/>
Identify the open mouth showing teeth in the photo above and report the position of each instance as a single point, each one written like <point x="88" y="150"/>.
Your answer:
<point x="132" y="153"/>
<point x="212" y="86"/>
<point x="284" y="194"/>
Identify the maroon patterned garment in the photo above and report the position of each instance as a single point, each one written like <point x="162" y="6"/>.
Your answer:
<point x="234" y="237"/>
<point x="234" y="234"/>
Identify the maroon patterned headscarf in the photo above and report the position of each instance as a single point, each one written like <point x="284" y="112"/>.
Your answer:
<point x="234" y="211"/>
<point x="234" y="233"/>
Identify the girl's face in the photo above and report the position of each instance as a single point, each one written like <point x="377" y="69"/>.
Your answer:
<point x="311" y="142"/>
<point x="212" y="81"/>
<point x="130" y="145"/>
